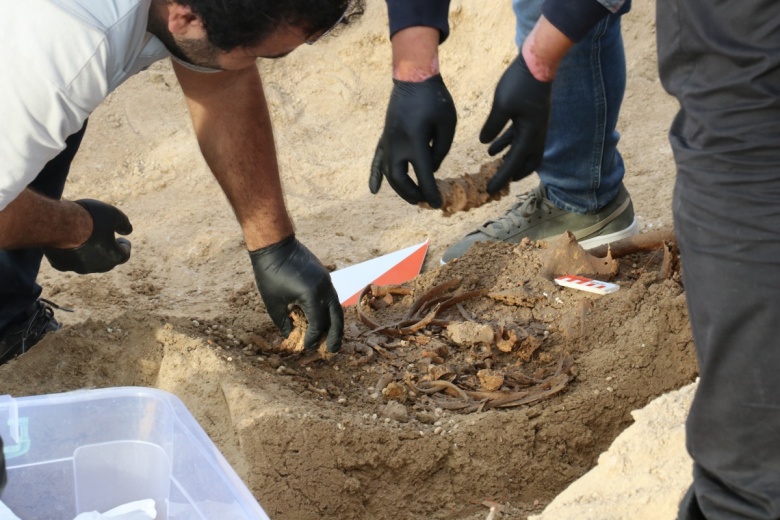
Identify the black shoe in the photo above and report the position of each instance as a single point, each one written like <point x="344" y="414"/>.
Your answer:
<point x="19" y="337"/>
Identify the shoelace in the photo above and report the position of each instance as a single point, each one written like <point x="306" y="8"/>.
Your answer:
<point x="527" y="204"/>
<point x="39" y="320"/>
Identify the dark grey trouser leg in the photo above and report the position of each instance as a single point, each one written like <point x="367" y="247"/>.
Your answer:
<point x="721" y="60"/>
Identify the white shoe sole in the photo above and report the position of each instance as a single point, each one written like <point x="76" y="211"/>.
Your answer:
<point x="595" y="242"/>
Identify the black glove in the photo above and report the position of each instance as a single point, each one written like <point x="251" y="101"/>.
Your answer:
<point x="287" y="273"/>
<point x="419" y="128"/>
<point x="103" y="251"/>
<point x="525" y="101"/>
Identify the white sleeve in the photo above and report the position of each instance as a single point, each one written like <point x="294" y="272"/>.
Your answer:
<point x="41" y="105"/>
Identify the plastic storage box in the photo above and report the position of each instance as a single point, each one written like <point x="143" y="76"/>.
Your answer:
<point x="92" y="450"/>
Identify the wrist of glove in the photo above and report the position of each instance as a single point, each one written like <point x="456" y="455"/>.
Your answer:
<point x="524" y="102"/>
<point x="419" y="129"/>
<point x="288" y="274"/>
<point x="102" y="251"/>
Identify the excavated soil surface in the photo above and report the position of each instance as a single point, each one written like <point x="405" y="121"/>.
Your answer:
<point x="505" y="397"/>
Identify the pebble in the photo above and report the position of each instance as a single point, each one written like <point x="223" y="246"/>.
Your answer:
<point x="395" y="411"/>
<point x="196" y="323"/>
<point x="438" y="430"/>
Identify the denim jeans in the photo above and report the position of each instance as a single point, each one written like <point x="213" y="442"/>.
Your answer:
<point x="582" y="167"/>
<point x="19" y="267"/>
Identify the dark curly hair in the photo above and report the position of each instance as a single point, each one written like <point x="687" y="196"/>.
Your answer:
<point x="243" y="23"/>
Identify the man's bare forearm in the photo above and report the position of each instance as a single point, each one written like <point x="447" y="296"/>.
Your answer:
<point x="32" y="220"/>
<point x="415" y="54"/>
<point x="544" y="49"/>
<point x="233" y="126"/>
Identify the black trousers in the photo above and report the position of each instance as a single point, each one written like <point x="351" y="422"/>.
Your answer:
<point x="19" y="267"/>
<point x="721" y="60"/>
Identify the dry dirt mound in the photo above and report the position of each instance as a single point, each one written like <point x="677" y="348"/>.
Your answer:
<point x="507" y="394"/>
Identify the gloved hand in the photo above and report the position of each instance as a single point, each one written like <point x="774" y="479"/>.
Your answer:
<point x="419" y="128"/>
<point x="103" y="251"/>
<point x="525" y="101"/>
<point x="287" y="273"/>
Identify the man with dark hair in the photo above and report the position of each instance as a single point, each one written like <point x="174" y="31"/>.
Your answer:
<point x="61" y="58"/>
<point x="572" y="145"/>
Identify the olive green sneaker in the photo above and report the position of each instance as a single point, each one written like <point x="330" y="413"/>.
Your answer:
<point x="535" y="217"/>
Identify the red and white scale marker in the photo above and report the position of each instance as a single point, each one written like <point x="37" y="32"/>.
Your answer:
<point x="390" y="269"/>
<point x="587" y="284"/>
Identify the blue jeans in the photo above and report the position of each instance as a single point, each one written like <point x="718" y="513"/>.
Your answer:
<point x="582" y="168"/>
<point x="19" y="267"/>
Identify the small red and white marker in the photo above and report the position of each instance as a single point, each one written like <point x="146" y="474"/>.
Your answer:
<point x="587" y="284"/>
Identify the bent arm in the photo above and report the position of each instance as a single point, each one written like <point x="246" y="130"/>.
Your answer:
<point x="32" y="220"/>
<point x="234" y="131"/>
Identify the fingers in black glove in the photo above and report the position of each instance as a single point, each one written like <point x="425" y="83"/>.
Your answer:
<point x="103" y="251"/>
<point x="288" y="274"/>
<point x="419" y="129"/>
<point x="524" y="102"/>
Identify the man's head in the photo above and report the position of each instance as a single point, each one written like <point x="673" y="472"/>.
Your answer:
<point x="231" y="34"/>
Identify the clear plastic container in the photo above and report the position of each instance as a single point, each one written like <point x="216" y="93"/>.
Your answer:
<point x="92" y="450"/>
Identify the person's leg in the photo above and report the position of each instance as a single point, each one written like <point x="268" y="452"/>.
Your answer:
<point x="19" y="267"/>
<point x="581" y="187"/>
<point x="727" y="221"/>
<point x="582" y="168"/>
<point x="730" y="246"/>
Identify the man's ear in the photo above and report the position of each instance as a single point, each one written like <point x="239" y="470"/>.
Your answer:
<point x="182" y="22"/>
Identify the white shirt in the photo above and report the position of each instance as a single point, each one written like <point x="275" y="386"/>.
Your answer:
<point x="59" y="59"/>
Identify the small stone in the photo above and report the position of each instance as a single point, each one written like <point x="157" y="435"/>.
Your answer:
<point x="490" y="380"/>
<point x="426" y="418"/>
<point x="469" y="333"/>
<point x="395" y="411"/>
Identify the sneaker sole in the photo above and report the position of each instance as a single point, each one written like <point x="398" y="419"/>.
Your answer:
<point x="595" y="242"/>
<point x="600" y="240"/>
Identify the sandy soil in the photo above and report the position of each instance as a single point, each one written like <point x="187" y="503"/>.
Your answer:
<point x="372" y="432"/>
